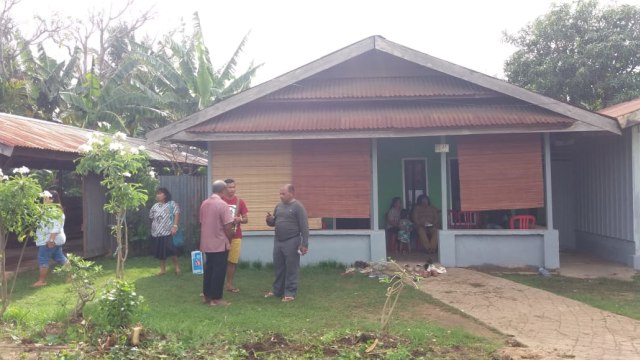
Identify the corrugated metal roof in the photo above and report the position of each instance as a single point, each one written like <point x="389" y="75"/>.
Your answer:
<point x="627" y="113"/>
<point x="22" y="132"/>
<point x="621" y="109"/>
<point x="387" y="87"/>
<point x="378" y="116"/>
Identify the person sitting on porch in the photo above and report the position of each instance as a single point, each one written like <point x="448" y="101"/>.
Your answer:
<point x="404" y="231"/>
<point x="392" y="222"/>
<point x="426" y="219"/>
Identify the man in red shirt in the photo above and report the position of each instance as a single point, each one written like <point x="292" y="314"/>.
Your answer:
<point x="216" y="230"/>
<point x="240" y="212"/>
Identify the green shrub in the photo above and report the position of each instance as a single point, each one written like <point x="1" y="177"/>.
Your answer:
<point x="119" y="304"/>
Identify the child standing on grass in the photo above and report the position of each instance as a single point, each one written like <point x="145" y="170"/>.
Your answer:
<point x="405" y="226"/>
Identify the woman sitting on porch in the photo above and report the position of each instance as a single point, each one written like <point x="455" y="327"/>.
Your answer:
<point x="427" y="222"/>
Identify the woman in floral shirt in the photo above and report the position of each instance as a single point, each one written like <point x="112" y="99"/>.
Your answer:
<point x="165" y="217"/>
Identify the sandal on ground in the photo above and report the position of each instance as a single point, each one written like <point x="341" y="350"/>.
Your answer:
<point x="233" y="290"/>
<point x="270" y="294"/>
<point x="38" y="284"/>
<point x="288" y="299"/>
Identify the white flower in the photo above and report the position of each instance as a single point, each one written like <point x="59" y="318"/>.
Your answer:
<point x="46" y="194"/>
<point x="134" y="151"/>
<point x="126" y="174"/>
<point x="120" y="136"/>
<point x="22" y="170"/>
<point x="116" y="146"/>
<point x="84" y="148"/>
<point x="142" y="148"/>
<point x="104" y="124"/>
<point x="5" y="177"/>
<point x="1" y="173"/>
<point x="95" y="138"/>
<point x="152" y="173"/>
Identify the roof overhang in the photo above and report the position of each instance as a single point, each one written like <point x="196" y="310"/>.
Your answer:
<point x="204" y="137"/>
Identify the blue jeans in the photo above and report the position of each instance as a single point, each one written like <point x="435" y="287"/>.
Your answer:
<point x="45" y="254"/>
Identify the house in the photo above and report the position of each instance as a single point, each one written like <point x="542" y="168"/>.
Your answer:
<point x="376" y="120"/>
<point x="40" y="144"/>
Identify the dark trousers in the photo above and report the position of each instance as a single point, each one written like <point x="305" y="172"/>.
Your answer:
<point x="215" y="270"/>
<point x="286" y="265"/>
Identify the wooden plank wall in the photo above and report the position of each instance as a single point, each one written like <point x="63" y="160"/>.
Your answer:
<point x="260" y="168"/>
<point x="500" y="172"/>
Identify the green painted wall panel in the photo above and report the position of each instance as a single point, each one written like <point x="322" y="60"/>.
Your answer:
<point x="390" y="155"/>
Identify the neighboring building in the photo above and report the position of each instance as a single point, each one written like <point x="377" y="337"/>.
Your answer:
<point x="376" y="120"/>
<point x="606" y="173"/>
<point x="40" y="144"/>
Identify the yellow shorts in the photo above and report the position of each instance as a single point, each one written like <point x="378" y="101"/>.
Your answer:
<point x="234" y="251"/>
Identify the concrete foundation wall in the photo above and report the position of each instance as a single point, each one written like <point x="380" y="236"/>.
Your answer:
<point x="342" y="246"/>
<point x="506" y="248"/>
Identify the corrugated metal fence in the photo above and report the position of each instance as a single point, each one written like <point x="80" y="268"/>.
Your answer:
<point x="188" y="192"/>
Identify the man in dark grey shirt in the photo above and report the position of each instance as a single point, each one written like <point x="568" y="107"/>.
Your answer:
<point x="290" y="242"/>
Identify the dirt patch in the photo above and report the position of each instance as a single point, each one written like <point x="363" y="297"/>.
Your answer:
<point x="10" y="350"/>
<point x="277" y="346"/>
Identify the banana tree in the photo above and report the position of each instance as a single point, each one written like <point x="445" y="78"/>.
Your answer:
<point x="120" y="100"/>
<point x="48" y="79"/>
<point x="185" y="76"/>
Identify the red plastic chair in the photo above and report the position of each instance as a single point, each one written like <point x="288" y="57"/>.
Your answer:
<point x="522" y="222"/>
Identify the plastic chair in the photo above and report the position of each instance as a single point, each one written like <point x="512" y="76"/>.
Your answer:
<point x="522" y="222"/>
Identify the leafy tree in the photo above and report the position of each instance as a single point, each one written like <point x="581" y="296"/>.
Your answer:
<point x="14" y="87"/>
<point x="580" y="53"/>
<point x="122" y="169"/>
<point x="20" y="213"/>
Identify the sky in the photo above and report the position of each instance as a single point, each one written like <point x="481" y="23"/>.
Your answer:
<point x="286" y="34"/>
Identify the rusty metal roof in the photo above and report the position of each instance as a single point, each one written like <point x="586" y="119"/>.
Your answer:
<point x="627" y="113"/>
<point x="387" y="87"/>
<point x="379" y="115"/>
<point x="367" y="59"/>
<point x="22" y="132"/>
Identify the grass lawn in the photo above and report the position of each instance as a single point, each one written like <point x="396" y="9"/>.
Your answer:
<point x="329" y="310"/>
<point x="616" y="296"/>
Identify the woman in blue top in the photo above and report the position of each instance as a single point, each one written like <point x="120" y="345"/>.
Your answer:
<point x="49" y="238"/>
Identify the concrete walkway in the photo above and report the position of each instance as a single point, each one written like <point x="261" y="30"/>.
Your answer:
<point x="551" y="326"/>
